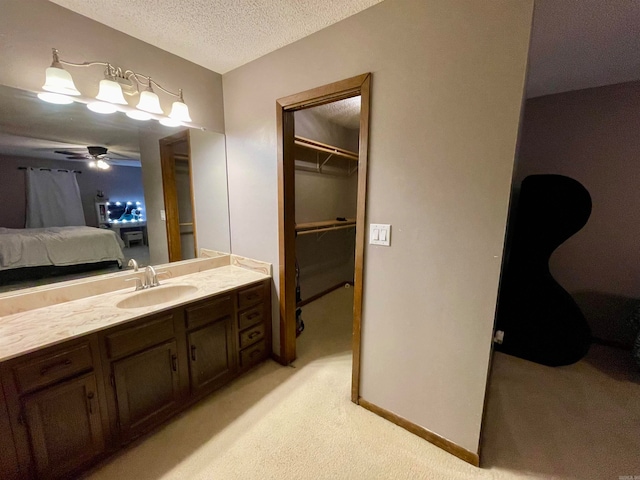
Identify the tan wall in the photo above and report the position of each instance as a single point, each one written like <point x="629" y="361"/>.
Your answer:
<point x="448" y="80"/>
<point x="593" y="136"/>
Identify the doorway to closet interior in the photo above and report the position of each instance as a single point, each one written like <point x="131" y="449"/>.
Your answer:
<point x="177" y="184"/>
<point x="323" y="145"/>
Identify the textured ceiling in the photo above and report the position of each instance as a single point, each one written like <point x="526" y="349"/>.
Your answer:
<point x="343" y="112"/>
<point x="218" y="34"/>
<point x="579" y="44"/>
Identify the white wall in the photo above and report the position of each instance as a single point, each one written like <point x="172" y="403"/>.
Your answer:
<point x="448" y="79"/>
<point x="209" y="164"/>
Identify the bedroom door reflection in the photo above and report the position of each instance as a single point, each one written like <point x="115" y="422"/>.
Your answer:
<point x="177" y="182"/>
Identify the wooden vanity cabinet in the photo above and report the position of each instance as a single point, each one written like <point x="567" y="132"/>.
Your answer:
<point x="143" y="370"/>
<point x="65" y="407"/>
<point x="9" y="469"/>
<point x="210" y="343"/>
<point x="55" y="408"/>
<point x="254" y="325"/>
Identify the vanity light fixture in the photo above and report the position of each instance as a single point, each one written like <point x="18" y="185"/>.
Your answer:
<point x="60" y="88"/>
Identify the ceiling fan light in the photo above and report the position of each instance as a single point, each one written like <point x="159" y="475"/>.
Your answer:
<point x="56" y="98"/>
<point x="149" y="102"/>
<point x="138" y="115"/>
<point x="58" y="80"/>
<point x="102" y="165"/>
<point x="180" y="112"/>
<point x="102" y="107"/>
<point x="110" y="91"/>
<point x="170" y="122"/>
<point x="92" y="164"/>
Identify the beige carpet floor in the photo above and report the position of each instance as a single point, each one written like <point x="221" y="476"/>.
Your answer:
<point x="298" y="423"/>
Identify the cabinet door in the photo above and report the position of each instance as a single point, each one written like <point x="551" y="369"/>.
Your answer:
<point x="9" y="469"/>
<point x="64" y="426"/>
<point x="211" y="353"/>
<point x="147" y="388"/>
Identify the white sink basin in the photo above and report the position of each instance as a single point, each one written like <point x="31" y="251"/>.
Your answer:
<point x="156" y="295"/>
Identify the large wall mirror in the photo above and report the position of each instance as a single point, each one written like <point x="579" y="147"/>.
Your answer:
<point x="66" y="165"/>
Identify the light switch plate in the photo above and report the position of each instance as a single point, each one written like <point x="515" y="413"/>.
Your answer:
<point x="379" y="234"/>
<point x="163" y="216"/>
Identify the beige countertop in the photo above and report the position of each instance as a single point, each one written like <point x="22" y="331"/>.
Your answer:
<point x="25" y="332"/>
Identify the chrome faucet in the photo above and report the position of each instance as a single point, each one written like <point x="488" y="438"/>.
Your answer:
<point x="150" y="277"/>
<point x="134" y="264"/>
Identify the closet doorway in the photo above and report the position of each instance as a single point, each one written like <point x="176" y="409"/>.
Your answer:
<point x="324" y="158"/>
<point x="177" y="184"/>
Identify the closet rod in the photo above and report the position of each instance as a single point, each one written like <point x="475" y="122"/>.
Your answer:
<point x="323" y="147"/>
<point x="49" y="169"/>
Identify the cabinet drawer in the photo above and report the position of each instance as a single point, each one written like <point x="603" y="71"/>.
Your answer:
<point x="48" y="369"/>
<point x="251" y="335"/>
<point x="250" y="317"/>
<point x="208" y="312"/>
<point x="137" y="338"/>
<point x="253" y="354"/>
<point x="250" y="296"/>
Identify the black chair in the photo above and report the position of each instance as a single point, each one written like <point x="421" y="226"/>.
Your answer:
<point x="540" y="320"/>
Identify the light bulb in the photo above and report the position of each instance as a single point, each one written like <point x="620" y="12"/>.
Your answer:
<point x="170" y="122"/>
<point x="93" y="165"/>
<point x="102" y="107"/>
<point x="56" y="98"/>
<point x="138" y="115"/>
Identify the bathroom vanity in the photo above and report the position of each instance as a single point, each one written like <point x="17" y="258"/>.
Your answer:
<point x="83" y="378"/>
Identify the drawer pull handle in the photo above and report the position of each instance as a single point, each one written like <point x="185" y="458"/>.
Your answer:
<point x="253" y="315"/>
<point x="193" y="353"/>
<point x="255" y="352"/>
<point x="90" y="402"/>
<point x="253" y="335"/>
<point x="64" y="363"/>
<point x="174" y="363"/>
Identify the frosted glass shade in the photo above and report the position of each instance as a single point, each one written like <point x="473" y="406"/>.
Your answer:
<point x="55" y="98"/>
<point x="111" y="91"/>
<point x="149" y="102"/>
<point x="170" y="122"/>
<point x="102" y="107"/>
<point x="180" y="112"/>
<point x="58" y="80"/>
<point x="138" y="115"/>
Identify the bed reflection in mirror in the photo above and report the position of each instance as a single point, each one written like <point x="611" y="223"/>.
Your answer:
<point x="76" y="188"/>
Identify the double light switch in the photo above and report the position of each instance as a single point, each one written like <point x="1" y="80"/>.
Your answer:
<point x="379" y="234"/>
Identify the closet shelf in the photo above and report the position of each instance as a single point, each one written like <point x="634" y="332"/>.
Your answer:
<point x="328" y="152"/>
<point x="325" y="226"/>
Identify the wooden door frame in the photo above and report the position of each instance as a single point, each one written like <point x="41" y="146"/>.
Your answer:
<point x="285" y="108"/>
<point x="170" y="194"/>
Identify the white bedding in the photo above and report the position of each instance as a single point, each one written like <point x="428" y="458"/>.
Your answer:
<point x="60" y="246"/>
